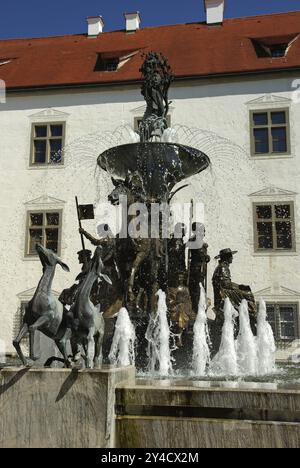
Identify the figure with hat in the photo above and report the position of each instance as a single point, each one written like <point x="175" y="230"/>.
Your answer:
<point x="68" y="295"/>
<point x="224" y="287"/>
<point x="109" y="295"/>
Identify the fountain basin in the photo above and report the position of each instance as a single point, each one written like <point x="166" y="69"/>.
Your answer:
<point x="160" y="165"/>
<point x="168" y="414"/>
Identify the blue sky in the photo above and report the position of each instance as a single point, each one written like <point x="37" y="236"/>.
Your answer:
<point x="36" y="18"/>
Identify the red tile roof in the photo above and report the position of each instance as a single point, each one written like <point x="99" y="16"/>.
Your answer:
<point x="193" y="50"/>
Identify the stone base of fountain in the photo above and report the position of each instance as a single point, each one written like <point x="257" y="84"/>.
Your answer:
<point x="165" y="414"/>
<point x="110" y="408"/>
<point x="59" y="408"/>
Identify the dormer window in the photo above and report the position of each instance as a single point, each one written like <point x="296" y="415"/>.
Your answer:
<point x="113" y="61"/>
<point x="5" y="61"/>
<point x="278" y="50"/>
<point x="109" y="64"/>
<point x="273" y="47"/>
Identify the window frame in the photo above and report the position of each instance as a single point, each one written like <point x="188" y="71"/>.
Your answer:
<point x="269" y="126"/>
<point x="43" y="227"/>
<point x="274" y="232"/>
<point x="277" y="312"/>
<point x="47" y="138"/>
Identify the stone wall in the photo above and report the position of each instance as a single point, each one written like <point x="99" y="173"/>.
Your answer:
<point x="207" y="415"/>
<point x="58" y="408"/>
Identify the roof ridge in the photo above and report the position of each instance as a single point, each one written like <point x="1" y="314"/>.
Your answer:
<point x="263" y="16"/>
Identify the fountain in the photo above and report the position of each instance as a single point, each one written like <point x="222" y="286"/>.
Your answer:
<point x="265" y="342"/>
<point x="200" y="382"/>
<point x="122" y="348"/>
<point x="225" y="361"/>
<point x="201" y="351"/>
<point x="246" y="346"/>
<point x="158" y="337"/>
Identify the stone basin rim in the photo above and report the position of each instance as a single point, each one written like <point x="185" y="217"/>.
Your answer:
<point x="157" y="144"/>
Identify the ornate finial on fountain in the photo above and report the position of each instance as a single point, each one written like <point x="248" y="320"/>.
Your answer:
<point x="157" y="79"/>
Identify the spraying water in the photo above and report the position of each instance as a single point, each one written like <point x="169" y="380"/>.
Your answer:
<point x="246" y="345"/>
<point x="265" y="342"/>
<point x="122" y="348"/>
<point x="158" y="336"/>
<point x="201" y="352"/>
<point x="225" y="361"/>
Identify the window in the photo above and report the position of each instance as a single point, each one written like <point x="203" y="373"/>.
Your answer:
<point x="270" y="132"/>
<point x="271" y="50"/>
<point x="47" y="143"/>
<point x="274" y="226"/>
<point x="273" y="47"/>
<point x="283" y="319"/>
<point x="43" y="227"/>
<point x="5" y="61"/>
<point x="108" y="64"/>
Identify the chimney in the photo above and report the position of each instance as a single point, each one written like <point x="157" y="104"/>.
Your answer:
<point x="214" y="11"/>
<point x="95" y="25"/>
<point x="133" y="21"/>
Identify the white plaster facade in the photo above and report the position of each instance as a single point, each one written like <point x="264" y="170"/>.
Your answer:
<point x="220" y="106"/>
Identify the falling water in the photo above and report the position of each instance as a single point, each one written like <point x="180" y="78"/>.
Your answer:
<point x="122" y="348"/>
<point x="246" y="345"/>
<point x="158" y="336"/>
<point x="225" y="361"/>
<point x="265" y="342"/>
<point x="201" y="353"/>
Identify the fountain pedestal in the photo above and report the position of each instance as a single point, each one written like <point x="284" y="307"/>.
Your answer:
<point x="162" y="414"/>
<point x="59" y="408"/>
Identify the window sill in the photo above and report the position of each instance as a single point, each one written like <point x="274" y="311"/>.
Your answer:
<point x="276" y="254"/>
<point x="45" y="166"/>
<point x="271" y="156"/>
<point x="31" y="258"/>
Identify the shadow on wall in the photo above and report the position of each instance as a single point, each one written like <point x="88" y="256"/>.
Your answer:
<point x="18" y="376"/>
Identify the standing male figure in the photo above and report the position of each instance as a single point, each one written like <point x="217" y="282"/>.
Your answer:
<point x="198" y="260"/>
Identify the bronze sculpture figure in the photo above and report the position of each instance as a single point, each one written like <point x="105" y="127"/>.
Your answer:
<point x="224" y="287"/>
<point x="87" y="320"/>
<point x="68" y="295"/>
<point x="179" y="308"/>
<point x="110" y="296"/>
<point x="157" y="79"/>
<point x="198" y="260"/>
<point x="45" y="312"/>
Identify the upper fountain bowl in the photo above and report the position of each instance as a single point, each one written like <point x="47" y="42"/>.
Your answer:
<point x="160" y="165"/>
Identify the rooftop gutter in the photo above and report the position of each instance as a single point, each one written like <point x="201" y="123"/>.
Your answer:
<point x="138" y="82"/>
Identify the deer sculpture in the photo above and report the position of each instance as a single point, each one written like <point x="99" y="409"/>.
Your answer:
<point x="88" y="321"/>
<point x="44" y="312"/>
